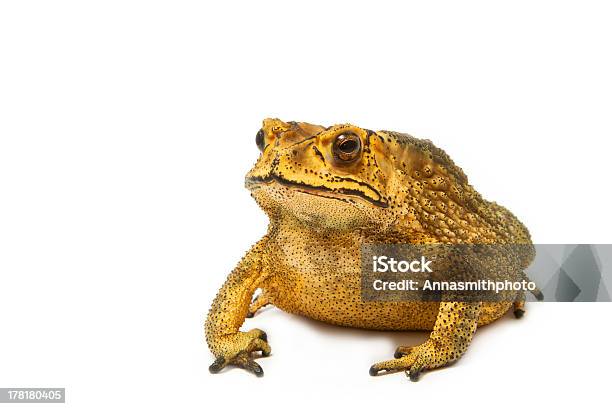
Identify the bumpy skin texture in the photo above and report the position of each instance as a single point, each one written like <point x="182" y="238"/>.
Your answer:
<point x="323" y="203"/>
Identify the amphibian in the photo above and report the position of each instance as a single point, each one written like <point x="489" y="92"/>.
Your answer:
<point x="327" y="191"/>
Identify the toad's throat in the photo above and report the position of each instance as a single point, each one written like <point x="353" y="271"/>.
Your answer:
<point x="322" y="191"/>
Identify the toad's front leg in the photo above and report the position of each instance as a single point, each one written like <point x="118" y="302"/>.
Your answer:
<point x="228" y="312"/>
<point x="452" y="333"/>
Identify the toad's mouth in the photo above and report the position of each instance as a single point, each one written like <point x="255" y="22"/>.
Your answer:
<point x="339" y="193"/>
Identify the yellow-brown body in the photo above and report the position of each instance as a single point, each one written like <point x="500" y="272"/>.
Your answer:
<point x="327" y="191"/>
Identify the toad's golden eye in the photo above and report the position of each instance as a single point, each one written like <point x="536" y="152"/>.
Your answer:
<point x="260" y="140"/>
<point x="347" y="147"/>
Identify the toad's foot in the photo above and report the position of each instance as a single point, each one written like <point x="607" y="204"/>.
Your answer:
<point x="235" y="349"/>
<point x="413" y="360"/>
<point x="452" y="333"/>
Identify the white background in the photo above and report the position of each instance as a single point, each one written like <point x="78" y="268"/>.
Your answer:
<point x="127" y="127"/>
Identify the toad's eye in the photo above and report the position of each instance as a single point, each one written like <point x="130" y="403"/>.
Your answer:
<point x="347" y="147"/>
<point x="260" y="140"/>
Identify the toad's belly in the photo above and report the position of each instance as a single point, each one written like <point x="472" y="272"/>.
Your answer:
<point x="337" y="300"/>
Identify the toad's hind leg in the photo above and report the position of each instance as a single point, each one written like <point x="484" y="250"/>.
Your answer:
<point x="519" y="301"/>
<point x="519" y="304"/>
<point x="258" y="303"/>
